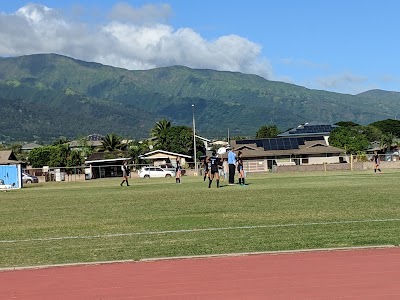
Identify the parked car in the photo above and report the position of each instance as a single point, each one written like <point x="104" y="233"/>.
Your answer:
<point x="170" y="167"/>
<point x="28" y="179"/>
<point x="149" y="172"/>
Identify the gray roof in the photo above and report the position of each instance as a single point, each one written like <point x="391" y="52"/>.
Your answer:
<point x="30" y="146"/>
<point x="309" y="147"/>
<point x="8" y="157"/>
<point x="319" y="148"/>
<point x="78" y="144"/>
<point x="309" y="129"/>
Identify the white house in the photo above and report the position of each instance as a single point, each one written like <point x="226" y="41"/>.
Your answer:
<point x="161" y="157"/>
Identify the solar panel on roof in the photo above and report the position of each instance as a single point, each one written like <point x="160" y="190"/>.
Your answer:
<point x="280" y="144"/>
<point x="283" y="143"/>
<point x="273" y="144"/>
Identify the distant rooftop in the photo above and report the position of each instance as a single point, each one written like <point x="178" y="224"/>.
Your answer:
<point x="30" y="146"/>
<point x="309" y="129"/>
<point x="95" y="137"/>
<point x="281" y="143"/>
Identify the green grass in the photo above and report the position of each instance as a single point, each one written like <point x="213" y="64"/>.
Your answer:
<point x="98" y="220"/>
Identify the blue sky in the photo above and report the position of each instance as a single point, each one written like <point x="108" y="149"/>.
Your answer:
<point x="341" y="46"/>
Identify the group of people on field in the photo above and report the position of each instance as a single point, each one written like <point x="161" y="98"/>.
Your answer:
<point x="126" y="171"/>
<point x="213" y="165"/>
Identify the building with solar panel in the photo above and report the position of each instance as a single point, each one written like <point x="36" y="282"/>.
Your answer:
<point x="306" y="144"/>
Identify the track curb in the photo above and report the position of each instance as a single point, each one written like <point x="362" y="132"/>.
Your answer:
<point x="278" y="252"/>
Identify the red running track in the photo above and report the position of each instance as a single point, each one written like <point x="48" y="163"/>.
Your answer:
<point x="345" y="274"/>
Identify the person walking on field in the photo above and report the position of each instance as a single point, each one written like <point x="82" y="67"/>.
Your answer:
<point x="206" y="167"/>
<point x="125" y="172"/>
<point x="240" y="168"/>
<point x="376" y="161"/>
<point x="232" y="165"/>
<point x="225" y="167"/>
<point x="215" y="163"/>
<point x="178" y="171"/>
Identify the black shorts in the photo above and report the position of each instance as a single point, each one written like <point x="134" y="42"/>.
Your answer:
<point x="214" y="170"/>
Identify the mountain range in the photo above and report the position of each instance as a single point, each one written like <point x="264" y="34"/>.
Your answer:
<point x="45" y="96"/>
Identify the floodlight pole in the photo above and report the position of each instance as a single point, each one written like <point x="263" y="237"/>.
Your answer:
<point x="194" y="143"/>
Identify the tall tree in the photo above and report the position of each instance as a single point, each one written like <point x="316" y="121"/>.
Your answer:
<point x="351" y="139"/>
<point x="267" y="131"/>
<point x="388" y="126"/>
<point x="347" y="124"/>
<point x="53" y="156"/>
<point x="375" y="134"/>
<point x="160" y="132"/>
<point x="138" y="148"/>
<point x="74" y="158"/>
<point x="180" y="140"/>
<point x="371" y="132"/>
<point x="86" y="150"/>
<point x="112" y="142"/>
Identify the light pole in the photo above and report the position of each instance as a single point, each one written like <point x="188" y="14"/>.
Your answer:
<point x="194" y="143"/>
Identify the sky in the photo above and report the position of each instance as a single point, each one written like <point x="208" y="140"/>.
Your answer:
<point x="345" y="46"/>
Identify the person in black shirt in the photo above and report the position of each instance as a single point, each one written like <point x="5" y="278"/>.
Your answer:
<point x="206" y="167"/>
<point x="240" y="168"/>
<point x="214" y="169"/>
<point x="376" y="161"/>
<point x="125" y="173"/>
<point x="178" y="171"/>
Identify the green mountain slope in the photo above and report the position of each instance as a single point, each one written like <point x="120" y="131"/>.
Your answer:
<point x="380" y="95"/>
<point x="105" y="99"/>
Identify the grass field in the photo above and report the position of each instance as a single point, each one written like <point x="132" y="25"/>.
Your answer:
<point x="97" y="220"/>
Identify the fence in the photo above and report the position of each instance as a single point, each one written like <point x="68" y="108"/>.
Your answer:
<point x="79" y="173"/>
<point x="350" y="162"/>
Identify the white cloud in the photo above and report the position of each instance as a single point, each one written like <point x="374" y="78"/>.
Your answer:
<point x="132" y="40"/>
<point x="147" y="14"/>
<point x="390" y="79"/>
<point x="345" y="82"/>
<point x="303" y="63"/>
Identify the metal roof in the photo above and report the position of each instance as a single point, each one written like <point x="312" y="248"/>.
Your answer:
<point x="106" y="160"/>
<point x="308" y="129"/>
<point x="146" y="155"/>
<point x="280" y="143"/>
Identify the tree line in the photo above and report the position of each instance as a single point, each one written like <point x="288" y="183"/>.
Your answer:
<point x="350" y="136"/>
<point x="163" y="135"/>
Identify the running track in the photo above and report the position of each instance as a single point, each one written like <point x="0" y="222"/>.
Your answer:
<point x="341" y="274"/>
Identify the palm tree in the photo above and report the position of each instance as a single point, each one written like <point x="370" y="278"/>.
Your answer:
<point x="160" y="132"/>
<point x="138" y="148"/>
<point x="112" y="142"/>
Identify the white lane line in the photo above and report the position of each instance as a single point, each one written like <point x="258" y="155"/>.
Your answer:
<point x="111" y="235"/>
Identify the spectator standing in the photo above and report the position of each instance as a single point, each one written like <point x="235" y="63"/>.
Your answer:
<point x="178" y="171"/>
<point x="225" y="167"/>
<point x="232" y="165"/>
<point x="125" y="172"/>
<point x="240" y="168"/>
<point x="377" y="162"/>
